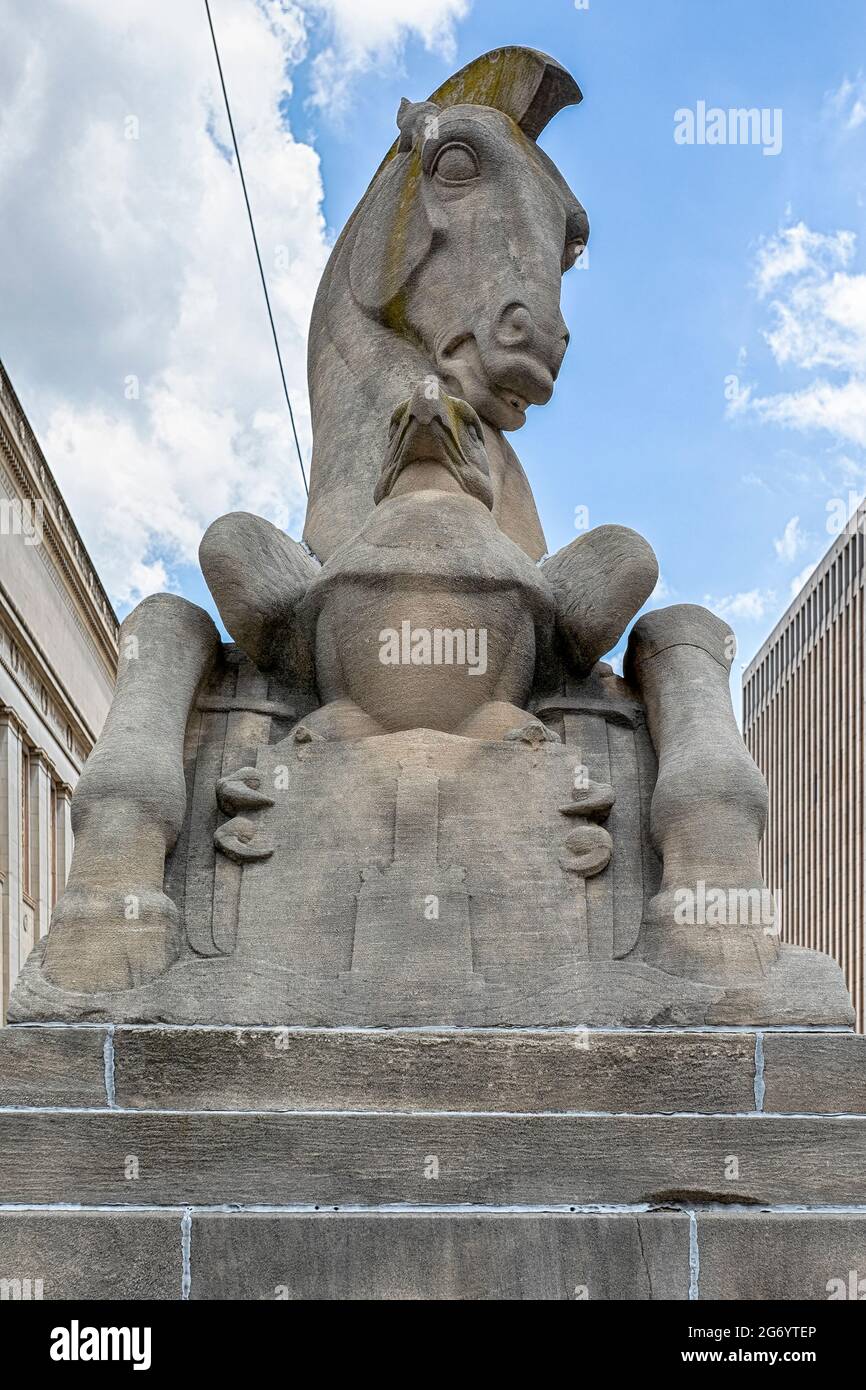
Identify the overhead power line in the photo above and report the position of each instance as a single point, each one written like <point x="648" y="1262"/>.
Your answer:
<point x="256" y="243"/>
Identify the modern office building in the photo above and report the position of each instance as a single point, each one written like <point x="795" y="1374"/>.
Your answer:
<point x="58" y="657"/>
<point x="803" y="715"/>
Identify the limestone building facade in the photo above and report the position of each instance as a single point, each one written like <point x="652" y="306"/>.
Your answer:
<point x="58" y="657"/>
<point x="803" y="713"/>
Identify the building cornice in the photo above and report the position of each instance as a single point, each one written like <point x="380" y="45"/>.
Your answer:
<point x="40" y="684"/>
<point x="36" y="482"/>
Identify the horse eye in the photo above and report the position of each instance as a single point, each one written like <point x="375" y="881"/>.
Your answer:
<point x="456" y="164"/>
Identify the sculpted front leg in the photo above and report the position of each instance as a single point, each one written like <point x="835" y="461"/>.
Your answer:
<point x="709" y="806"/>
<point x="114" y="927"/>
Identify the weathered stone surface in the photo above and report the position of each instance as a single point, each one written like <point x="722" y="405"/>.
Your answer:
<point x="465" y="1255"/>
<point x="601" y="579"/>
<point x="257" y="575"/>
<point x="430" y="564"/>
<point x="113" y="926"/>
<point x="90" y="1254"/>
<point x="416" y="1170"/>
<point x="814" y="1073"/>
<point x="709" y="803"/>
<point x="52" y="1066"/>
<point x="288" y="1069"/>
<point x="363" y="1159"/>
<point x="244" y="991"/>
<point x="782" y="1255"/>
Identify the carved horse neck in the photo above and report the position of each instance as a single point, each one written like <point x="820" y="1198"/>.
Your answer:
<point x="359" y="370"/>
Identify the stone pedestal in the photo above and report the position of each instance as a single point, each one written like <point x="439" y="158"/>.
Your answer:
<point x="261" y="1163"/>
<point x="421" y="879"/>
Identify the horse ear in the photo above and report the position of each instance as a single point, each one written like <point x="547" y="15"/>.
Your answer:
<point x="413" y="120"/>
<point x="393" y="234"/>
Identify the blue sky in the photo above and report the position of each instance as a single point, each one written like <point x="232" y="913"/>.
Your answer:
<point x="705" y="263"/>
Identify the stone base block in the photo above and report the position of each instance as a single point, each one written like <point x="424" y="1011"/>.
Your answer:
<point x="54" y="1254"/>
<point x="292" y="1164"/>
<point x="800" y="988"/>
<point x="442" y="1255"/>
<point x="812" y="1255"/>
<point x="433" y="1254"/>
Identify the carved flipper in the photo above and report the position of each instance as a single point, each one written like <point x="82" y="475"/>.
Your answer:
<point x="600" y="581"/>
<point x="258" y="575"/>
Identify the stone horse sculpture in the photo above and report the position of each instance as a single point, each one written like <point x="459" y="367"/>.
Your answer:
<point x="303" y="828"/>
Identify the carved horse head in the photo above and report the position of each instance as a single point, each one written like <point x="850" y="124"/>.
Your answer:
<point x="450" y="268"/>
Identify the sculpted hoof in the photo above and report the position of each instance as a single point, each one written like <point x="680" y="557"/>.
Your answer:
<point x="118" y="940"/>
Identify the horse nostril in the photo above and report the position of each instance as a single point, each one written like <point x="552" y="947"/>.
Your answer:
<point x="515" y="326"/>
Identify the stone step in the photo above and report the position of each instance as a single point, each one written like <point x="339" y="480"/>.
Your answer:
<point x="596" y="1070"/>
<point x="815" y="1073"/>
<point x="90" y="1254"/>
<point x="440" y="1254"/>
<point x="334" y="1159"/>
<point x="159" y="1162"/>
<point x="52" y="1066"/>
<point x="421" y="1071"/>
<point x="624" y="1255"/>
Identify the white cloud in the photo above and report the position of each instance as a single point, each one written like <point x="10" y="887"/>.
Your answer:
<point x="364" y="34"/>
<point x="840" y="410"/>
<point x="751" y="606"/>
<point x="818" y="327"/>
<point x="131" y="258"/>
<point x="791" y="541"/>
<point x="848" y="102"/>
<point x="739" y="396"/>
<point x="822" y="323"/>
<point x="796" y="249"/>
<point x="800" y="579"/>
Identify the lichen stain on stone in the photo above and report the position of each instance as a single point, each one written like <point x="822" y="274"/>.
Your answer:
<point x="394" y="314"/>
